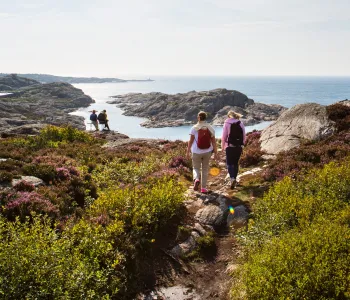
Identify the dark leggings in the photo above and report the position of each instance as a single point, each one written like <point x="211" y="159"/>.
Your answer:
<point x="232" y="157"/>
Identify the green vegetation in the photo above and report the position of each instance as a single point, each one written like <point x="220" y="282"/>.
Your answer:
<point x="297" y="245"/>
<point x="205" y="248"/>
<point x="87" y="231"/>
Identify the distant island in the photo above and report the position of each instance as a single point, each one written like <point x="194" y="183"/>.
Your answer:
<point x="163" y="110"/>
<point x="46" y="78"/>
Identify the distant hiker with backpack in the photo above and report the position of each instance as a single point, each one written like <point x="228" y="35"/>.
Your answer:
<point x="93" y="119"/>
<point x="102" y="118"/>
<point x="202" y="144"/>
<point x="232" y="141"/>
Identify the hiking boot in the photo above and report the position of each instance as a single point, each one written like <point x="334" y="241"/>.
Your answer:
<point x="204" y="191"/>
<point x="196" y="185"/>
<point x="233" y="183"/>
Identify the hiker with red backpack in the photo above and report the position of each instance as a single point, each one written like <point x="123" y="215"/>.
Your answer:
<point x="232" y="141"/>
<point x="202" y="144"/>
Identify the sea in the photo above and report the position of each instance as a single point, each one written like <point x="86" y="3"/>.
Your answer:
<point x="286" y="91"/>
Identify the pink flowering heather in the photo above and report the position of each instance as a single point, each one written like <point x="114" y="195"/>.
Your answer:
<point x="63" y="174"/>
<point x="53" y="160"/>
<point x="24" y="186"/>
<point x="23" y="203"/>
<point x="178" y="161"/>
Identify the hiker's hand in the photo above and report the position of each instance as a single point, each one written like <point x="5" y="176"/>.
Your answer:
<point x="216" y="156"/>
<point x="188" y="154"/>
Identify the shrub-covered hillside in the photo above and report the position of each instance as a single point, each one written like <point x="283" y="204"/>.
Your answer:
<point x="85" y="232"/>
<point x="297" y="242"/>
<point x="297" y="245"/>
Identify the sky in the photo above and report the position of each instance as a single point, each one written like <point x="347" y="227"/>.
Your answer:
<point x="175" y="37"/>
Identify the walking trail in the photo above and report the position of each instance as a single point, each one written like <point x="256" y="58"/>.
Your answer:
<point x="222" y="211"/>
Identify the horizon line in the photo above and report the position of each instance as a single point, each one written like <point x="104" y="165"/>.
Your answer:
<point x="179" y="75"/>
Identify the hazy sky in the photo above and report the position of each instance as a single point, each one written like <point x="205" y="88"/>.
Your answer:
<point x="177" y="37"/>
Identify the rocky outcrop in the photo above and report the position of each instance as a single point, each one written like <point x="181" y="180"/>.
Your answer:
<point x="14" y="82"/>
<point x="28" y="110"/>
<point x="302" y="122"/>
<point x="35" y="181"/>
<point x="165" y="110"/>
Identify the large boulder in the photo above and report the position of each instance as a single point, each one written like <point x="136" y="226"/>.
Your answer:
<point x="211" y="215"/>
<point x="302" y="122"/>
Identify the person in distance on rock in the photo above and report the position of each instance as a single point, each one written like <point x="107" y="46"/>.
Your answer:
<point x="202" y="144"/>
<point x="93" y="119"/>
<point x="102" y="118"/>
<point x="232" y="142"/>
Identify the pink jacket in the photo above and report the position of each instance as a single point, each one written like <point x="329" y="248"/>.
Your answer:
<point x="226" y="132"/>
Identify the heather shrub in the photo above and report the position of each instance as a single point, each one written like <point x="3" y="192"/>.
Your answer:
<point x="24" y="186"/>
<point x="66" y="173"/>
<point x="252" y="153"/>
<point x="5" y="176"/>
<point x="22" y="204"/>
<point x="54" y="160"/>
<point x="10" y="165"/>
<point x="303" y="223"/>
<point x="340" y="114"/>
<point x="307" y="156"/>
<point x="38" y="263"/>
<point x="43" y="171"/>
<point x="179" y="161"/>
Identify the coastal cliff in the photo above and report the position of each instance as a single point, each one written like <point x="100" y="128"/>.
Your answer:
<point x="29" y="109"/>
<point x="12" y="82"/>
<point x="164" y="110"/>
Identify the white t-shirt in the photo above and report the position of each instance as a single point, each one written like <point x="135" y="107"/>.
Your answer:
<point x="194" y="148"/>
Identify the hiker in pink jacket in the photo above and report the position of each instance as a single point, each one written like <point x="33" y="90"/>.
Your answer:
<point x="232" y="142"/>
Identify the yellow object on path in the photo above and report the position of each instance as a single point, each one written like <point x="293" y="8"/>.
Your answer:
<point x="214" y="171"/>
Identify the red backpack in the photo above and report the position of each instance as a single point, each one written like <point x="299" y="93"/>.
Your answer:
<point x="204" y="138"/>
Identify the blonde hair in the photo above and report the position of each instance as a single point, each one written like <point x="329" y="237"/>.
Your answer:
<point x="202" y="115"/>
<point x="233" y="114"/>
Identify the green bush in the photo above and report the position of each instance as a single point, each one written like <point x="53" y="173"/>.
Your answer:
<point x="309" y="264"/>
<point x="43" y="171"/>
<point x="38" y="263"/>
<point x="142" y="210"/>
<point x="5" y="176"/>
<point x="120" y="171"/>
<point x="292" y="203"/>
<point x="297" y="245"/>
<point x="64" y="134"/>
<point x="205" y="248"/>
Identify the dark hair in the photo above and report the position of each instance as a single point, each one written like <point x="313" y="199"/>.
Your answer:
<point x="202" y="115"/>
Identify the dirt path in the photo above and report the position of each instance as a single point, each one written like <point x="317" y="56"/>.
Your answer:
<point x="208" y="278"/>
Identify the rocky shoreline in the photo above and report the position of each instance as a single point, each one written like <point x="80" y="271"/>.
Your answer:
<point x="30" y="108"/>
<point x="164" y="110"/>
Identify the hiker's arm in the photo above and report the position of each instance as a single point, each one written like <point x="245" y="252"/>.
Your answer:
<point x="189" y="145"/>
<point x="213" y="142"/>
<point x="224" y="136"/>
<point x="244" y="135"/>
<point x="215" y="148"/>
